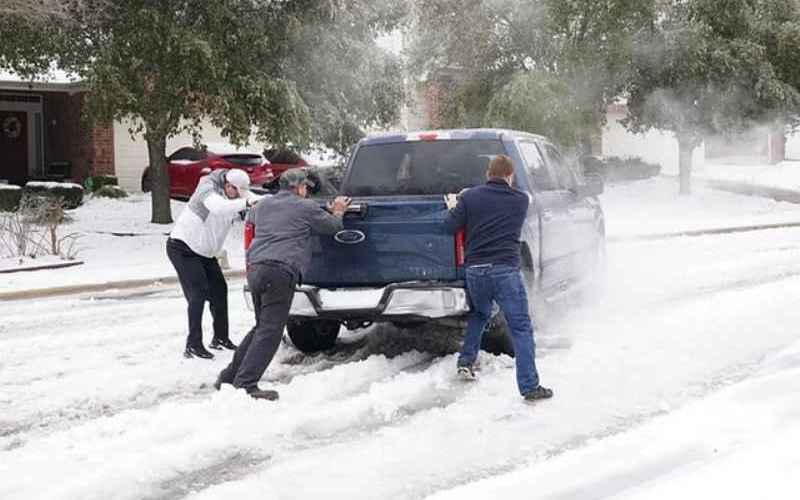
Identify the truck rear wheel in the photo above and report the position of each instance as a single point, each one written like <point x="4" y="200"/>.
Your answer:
<point x="496" y="338"/>
<point x="311" y="336"/>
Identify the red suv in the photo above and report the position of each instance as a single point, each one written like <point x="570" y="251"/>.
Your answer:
<point x="188" y="164"/>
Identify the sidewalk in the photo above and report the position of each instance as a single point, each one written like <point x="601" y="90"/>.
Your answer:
<point x="40" y="293"/>
<point x="780" y="182"/>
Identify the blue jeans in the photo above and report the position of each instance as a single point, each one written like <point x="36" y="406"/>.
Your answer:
<point x="504" y="285"/>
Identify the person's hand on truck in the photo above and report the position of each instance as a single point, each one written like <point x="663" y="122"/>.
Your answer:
<point x="339" y="205"/>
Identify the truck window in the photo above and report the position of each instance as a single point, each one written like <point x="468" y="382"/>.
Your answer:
<point x="538" y="173"/>
<point x="566" y="179"/>
<point x="420" y="167"/>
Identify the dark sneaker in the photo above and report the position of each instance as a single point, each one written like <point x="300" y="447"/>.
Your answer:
<point x="197" y="351"/>
<point x="538" y="393"/>
<point x="219" y="344"/>
<point x="256" y="393"/>
<point x="467" y="373"/>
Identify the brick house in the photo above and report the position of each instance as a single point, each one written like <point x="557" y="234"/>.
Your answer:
<point x="42" y="135"/>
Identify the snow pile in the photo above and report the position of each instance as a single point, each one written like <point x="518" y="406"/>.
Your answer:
<point x="52" y="184"/>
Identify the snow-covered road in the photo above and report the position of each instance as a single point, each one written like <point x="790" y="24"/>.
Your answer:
<point x="96" y="402"/>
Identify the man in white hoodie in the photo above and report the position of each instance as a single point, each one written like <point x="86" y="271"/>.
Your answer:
<point x="193" y="245"/>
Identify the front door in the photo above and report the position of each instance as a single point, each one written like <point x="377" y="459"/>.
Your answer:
<point x="14" y="146"/>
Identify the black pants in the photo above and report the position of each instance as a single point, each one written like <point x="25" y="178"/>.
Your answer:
<point x="202" y="280"/>
<point x="272" y="286"/>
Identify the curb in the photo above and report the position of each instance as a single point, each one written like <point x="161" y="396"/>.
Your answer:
<point x="777" y="194"/>
<point x="42" y="267"/>
<point x="39" y="293"/>
<point x="703" y="232"/>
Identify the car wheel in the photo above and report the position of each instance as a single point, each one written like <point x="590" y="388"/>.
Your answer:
<point x="311" y="336"/>
<point x="147" y="182"/>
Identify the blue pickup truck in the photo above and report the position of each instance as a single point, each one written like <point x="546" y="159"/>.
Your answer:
<point x="395" y="262"/>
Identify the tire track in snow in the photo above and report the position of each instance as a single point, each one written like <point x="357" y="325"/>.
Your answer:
<point x="14" y="434"/>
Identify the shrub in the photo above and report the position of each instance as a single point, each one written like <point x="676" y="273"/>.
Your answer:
<point x="71" y="194"/>
<point x="97" y="182"/>
<point x="614" y="168"/>
<point x="9" y="197"/>
<point x="111" y="191"/>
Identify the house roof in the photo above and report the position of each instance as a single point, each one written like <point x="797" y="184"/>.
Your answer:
<point x="53" y="80"/>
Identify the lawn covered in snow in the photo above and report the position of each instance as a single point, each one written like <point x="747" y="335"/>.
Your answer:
<point x="137" y="251"/>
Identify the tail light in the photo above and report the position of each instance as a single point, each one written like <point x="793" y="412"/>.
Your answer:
<point x="459" y="244"/>
<point x="249" y="233"/>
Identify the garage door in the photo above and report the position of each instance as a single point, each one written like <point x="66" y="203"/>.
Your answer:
<point x="130" y="153"/>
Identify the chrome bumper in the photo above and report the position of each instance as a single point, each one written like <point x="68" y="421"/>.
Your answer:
<point x="397" y="300"/>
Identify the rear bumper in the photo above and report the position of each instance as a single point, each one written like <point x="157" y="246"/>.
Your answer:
<point x="412" y="300"/>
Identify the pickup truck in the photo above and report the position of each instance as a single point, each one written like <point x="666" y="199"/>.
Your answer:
<point x="395" y="262"/>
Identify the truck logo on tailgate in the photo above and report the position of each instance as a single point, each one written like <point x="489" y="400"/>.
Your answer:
<point x="350" y="237"/>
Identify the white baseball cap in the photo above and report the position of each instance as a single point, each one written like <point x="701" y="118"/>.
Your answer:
<point x="238" y="178"/>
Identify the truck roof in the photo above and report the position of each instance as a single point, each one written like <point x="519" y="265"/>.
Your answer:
<point x="435" y="135"/>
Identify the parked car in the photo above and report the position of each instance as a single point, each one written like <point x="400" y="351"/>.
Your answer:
<point x="395" y="262"/>
<point x="188" y="164"/>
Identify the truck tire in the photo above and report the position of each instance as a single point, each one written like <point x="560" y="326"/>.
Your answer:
<point x="311" y="336"/>
<point x="496" y="338"/>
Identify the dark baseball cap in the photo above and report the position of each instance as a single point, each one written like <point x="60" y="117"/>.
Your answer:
<point x="294" y="177"/>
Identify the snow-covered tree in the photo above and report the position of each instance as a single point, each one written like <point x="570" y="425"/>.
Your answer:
<point x="583" y="46"/>
<point x="288" y="72"/>
<point x="704" y="69"/>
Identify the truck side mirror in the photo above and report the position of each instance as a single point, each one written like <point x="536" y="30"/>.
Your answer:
<point x="592" y="186"/>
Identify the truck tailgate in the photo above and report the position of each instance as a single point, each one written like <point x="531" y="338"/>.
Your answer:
<point x="389" y="240"/>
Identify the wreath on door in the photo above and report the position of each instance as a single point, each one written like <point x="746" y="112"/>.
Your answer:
<point x="12" y="127"/>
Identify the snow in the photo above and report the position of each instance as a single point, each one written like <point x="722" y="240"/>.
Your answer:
<point x="739" y="443"/>
<point x="654" y="207"/>
<point x="139" y="254"/>
<point x="223" y="148"/>
<point x="55" y="75"/>
<point x="784" y="175"/>
<point x="691" y="347"/>
<point x="51" y="184"/>
<point x="13" y="263"/>
<point x="9" y="187"/>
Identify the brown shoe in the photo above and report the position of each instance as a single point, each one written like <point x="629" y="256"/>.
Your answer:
<point x="257" y="393"/>
<point x="538" y="393"/>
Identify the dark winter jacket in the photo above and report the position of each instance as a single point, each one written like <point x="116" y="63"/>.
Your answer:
<point x="492" y="216"/>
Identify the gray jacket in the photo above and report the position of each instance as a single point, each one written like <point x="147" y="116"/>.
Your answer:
<point x="208" y="185"/>
<point x="284" y="225"/>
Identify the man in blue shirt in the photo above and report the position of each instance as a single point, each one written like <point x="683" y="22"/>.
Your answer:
<point x="492" y="216"/>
